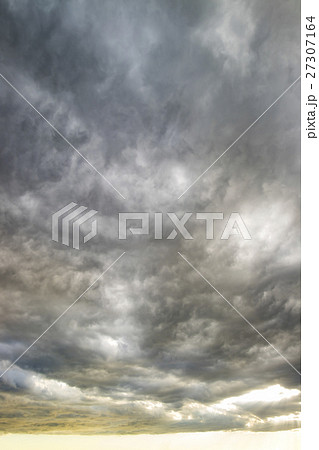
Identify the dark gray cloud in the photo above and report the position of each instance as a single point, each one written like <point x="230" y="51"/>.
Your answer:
<point x="151" y="93"/>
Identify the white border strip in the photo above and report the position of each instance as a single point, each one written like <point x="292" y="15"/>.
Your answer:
<point x="310" y="247"/>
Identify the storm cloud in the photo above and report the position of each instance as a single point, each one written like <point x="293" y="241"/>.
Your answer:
<point x="151" y="93"/>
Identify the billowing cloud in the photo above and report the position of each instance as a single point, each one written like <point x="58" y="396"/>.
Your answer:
<point x="151" y="93"/>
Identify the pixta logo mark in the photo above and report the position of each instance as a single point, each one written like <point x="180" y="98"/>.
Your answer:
<point x="69" y="220"/>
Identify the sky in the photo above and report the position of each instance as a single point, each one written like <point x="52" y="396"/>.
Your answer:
<point x="151" y="93"/>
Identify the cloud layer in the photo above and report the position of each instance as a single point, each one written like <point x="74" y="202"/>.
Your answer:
<point x="151" y="93"/>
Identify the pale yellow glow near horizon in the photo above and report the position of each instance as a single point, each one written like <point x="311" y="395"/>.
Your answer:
<point x="281" y="440"/>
